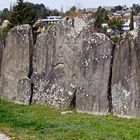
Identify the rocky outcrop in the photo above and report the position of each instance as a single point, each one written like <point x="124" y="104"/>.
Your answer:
<point x="126" y="77"/>
<point x="15" y="60"/>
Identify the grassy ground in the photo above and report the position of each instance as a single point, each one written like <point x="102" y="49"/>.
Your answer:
<point x="38" y="122"/>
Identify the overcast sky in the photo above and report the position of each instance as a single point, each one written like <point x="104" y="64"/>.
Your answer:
<point x="68" y="3"/>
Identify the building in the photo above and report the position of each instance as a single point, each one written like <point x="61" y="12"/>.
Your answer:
<point x="50" y="19"/>
<point x="43" y="24"/>
<point x="90" y="10"/>
<point x="126" y="26"/>
<point x="109" y="8"/>
<point x="118" y="14"/>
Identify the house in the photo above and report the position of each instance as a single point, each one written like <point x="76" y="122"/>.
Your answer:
<point x="113" y="31"/>
<point x="43" y="24"/>
<point x="109" y="8"/>
<point x="126" y="26"/>
<point x="50" y="20"/>
<point x="91" y="10"/>
<point x="118" y="14"/>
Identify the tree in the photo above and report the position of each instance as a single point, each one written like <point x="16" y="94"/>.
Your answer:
<point x="54" y="12"/>
<point x="72" y="11"/>
<point x="23" y="13"/>
<point x="132" y="21"/>
<point x="4" y="14"/>
<point x="136" y="8"/>
<point x="42" y="11"/>
<point x="116" y="23"/>
<point x="28" y="13"/>
<point x="118" y="8"/>
<point x="101" y="16"/>
<point x="73" y="8"/>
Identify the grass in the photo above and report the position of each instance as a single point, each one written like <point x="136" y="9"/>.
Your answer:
<point x="39" y="122"/>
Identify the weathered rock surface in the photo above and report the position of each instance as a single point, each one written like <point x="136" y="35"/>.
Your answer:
<point x="126" y="77"/>
<point x="93" y="73"/>
<point x="24" y="91"/>
<point x="55" y="58"/>
<point x="15" y="60"/>
<point x="71" y="66"/>
<point x="1" y="50"/>
<point x="69" y="63"/>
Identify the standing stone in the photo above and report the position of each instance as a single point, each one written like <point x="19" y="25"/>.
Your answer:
<point x="126" y="77"/>
<point x="24" y="91"/>
<point x="94" y="64"/>
<point x="72" y="67"/>
<point x="55" y="62"/>
<point x="15" y="60"/>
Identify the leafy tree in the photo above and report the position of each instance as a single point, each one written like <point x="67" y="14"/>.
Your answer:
<point x="132" y="21"/>
<point x="73" y="8"/>
<point x="115" y="38"/>
<point x="136" y="8"/>
<point x="118" y="8"/>
<point x="54" y="12"/>
<point x="101" y="16"/>
<point x="74" y="12"/>
<point x="4" y="14"/>
<point x="23" y="13"/>
<point x="42" y="11"/>
<point x="3" y="32"/>
<point x="116" y="22"/>
<point x="28" y="13"/>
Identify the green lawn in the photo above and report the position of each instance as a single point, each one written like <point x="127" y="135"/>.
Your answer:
<point x="38" y="122"/>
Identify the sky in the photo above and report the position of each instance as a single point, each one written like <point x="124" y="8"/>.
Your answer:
<point x="57" y="4"/>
